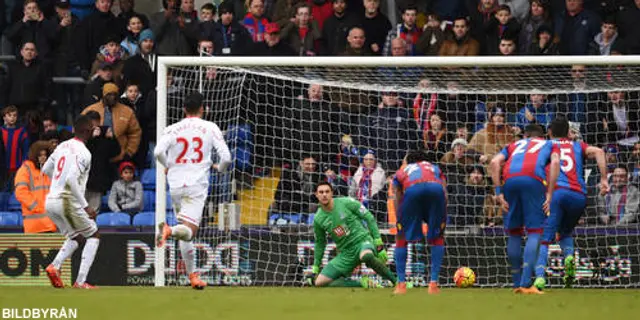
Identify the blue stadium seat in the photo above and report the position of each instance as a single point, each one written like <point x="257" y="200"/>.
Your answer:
<point x="13" y="219"/>
<point x="4" y="200"/>
<point x="14" y="204"/>
<point x="148" y="179"/>
<point x="171" y="219"/>
<point x="144" y="219"/>
<point x="310" y="219"/>
<point x="278" y="219"/>
<point x="149" y="199"/>
<point x="104" y="206"/>
<point x="113" y="219"/>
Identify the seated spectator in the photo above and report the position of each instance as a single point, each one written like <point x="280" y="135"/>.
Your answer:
<point x="272" y="46"/>
<point x="15" y="140"/>
<point x="544" y="44"/>
<point x="537" y="110"/>
<point x="111" y="53"/>
<point x="605" y="41"/>
<point x="368" y="180"/>
<point x="375" y="25"/>
<point x="121" y="119"/>
<point x="27" y="85"/>
<point x="175" y="31"/>
<point x="495" y="136"/>
<point x="538" y="16"/>
<point x="622" y="204"/>
<point x="254" y="21"/>
<point x="355" y="43"/>
<point x="462" y="44"/>
<point x="455" y="162"/>
<point x="296" y="188"/>
<point x="132" y="37"/>
<point x="126" y="193"/>
<point x="302" y="33"/>
<point x="32" y="187"/>
<point x="576" y="27"/>
<point x="406" y="30"/>
<point x="337" y="29"/>
<point x="229" y="36"/>
<point x="471" y="201"/>
<point x="34" y="28"/>
<point x="616" y="119"/>
<point x="127" y="11"/>
<point x="500" y="27"/>
<point x="207" y="23"/>
<point x="432" y="37"/>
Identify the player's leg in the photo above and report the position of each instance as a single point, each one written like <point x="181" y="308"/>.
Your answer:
<point x="86" y="227"/>
<point x="532" y="201"/>
<point x="400" y="259"/>
<point x="548" y="237"/>
<point x="513" y="224"/>
<point x="575" y="204"/>
<point x="409" y="229"/>
<point x="335" y="272"/>
<point x="367" y="254"/>
<point x="436" y="221"/>
<point x="181" y="230"/>
<point x="55" y="213"/>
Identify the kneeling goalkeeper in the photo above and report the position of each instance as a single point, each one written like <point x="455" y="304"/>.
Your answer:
<point x="342" y="219"/>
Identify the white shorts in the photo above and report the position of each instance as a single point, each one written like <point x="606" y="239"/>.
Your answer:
<point x="188" y="203"/>
<point x="70" y="220"/>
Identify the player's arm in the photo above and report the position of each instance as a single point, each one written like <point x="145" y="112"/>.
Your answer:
<point x="598" y="154"/>
<point x="320" y="244"/>
<point x="222" y="149"/>
<point x="160" y="152"/>
<point x="364" y="214"/>
<point x="495" y="165"/>
<point x="552" y="178"/>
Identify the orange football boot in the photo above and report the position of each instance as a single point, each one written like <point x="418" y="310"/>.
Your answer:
<point x="164" y="232"/>
<point x="196" y="283"/>
<point x="433" y="288"/>
<point x="401" y="288"/>
<point x="54" y="276"/>
<point x="84" y="286"/>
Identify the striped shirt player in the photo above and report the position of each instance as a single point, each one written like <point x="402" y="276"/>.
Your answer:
<point x="421" y="196"/>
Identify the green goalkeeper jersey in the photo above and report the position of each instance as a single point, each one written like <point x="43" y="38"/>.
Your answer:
<point x="345" y="226"/>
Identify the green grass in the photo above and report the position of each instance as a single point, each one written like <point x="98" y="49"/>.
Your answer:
<point x="308" y="303"/>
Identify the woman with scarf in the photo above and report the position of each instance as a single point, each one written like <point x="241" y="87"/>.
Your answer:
<point x="368" y="180"/>
<point x="130" y="43"/>
<point x="538" y="16"/>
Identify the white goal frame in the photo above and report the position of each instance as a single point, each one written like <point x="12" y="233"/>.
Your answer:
<point x="483" y="61"/>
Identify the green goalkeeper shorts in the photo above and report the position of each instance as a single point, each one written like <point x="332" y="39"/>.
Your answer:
<point x="346" y="260"/>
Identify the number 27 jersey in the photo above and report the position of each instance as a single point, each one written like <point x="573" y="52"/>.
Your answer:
<point x="188" y="146"/>
<point x="527" y="157"/>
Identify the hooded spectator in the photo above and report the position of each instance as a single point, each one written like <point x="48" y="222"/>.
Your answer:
<point x="607" y="40"/>
<point x="544" y="43"/>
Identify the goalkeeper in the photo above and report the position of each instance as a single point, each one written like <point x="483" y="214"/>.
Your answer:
<point x="342" y="219"/>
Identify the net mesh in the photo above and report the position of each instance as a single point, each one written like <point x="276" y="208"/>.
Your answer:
<point x="290" y="127"/>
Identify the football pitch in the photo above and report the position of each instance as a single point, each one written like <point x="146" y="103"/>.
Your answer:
<point x="225" y="303"/>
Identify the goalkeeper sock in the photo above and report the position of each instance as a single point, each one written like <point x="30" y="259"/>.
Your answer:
<point x="378" y="266"/>
<point x="181" y="232"/>
<point x="400" y="258"/>
<point x="566" y="244"/>
<point x="530" y="257"/>
<point x="514" y="252"/>
<point x="344" y="283"/>
<point x="541" y="265"/>
<point x="68" y="247"/>
<point x="88" y="254"/>
<point x="188" y="255"/>
<point x="437" y="254"/>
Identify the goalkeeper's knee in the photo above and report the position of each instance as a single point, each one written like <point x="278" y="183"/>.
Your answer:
<point x="368" y="258"/>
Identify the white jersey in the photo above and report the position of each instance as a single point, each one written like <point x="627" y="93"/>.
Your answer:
<point x="68" y="168"/>
<point x="186" y="149"/>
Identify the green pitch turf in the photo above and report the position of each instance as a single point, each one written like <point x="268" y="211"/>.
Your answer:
<point x="121" y="303"/>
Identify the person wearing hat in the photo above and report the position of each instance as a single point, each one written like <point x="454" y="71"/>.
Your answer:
<point x="111" y="53"/>
<point x="495" y="136"/>
<point x="472" y="203"/>
<point x="126" y="193"/>
<point x="456" y="160"/>
<point x="272" y="46"/>
<point x="141" y="68"/>
<point x="121" y="119"/>
<point x="229" y="36"/>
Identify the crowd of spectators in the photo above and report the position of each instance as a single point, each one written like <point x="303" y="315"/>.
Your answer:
<point x="354" y="142"/>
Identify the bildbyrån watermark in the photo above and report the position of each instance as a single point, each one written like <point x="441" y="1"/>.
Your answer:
<point x="40" y="313"/>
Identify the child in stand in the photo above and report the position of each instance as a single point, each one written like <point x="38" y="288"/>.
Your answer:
<point x="15" y="140"/>
<point x="126" y="193"/>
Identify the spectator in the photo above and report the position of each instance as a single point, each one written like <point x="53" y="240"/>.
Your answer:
<point x="615" y="119"/>
<point x="132" y="36"/>
<point x="126" y="193"/>
<point x="188" y="10"/>
<point x="432" y="37"/>
<point x="471" y="202"/>
<point x="462" y="44"/>
<point x="544" y="44"/>
<point x="574" y="105"/>
<point x="406" y="30"/>
<point x="230" y="38"/>
<point x="32" y="187"/>
<point x="64" y="52"/>
<point x="462" y="132"/>
<point x="435" y="137"/>
<point x="576" y="28"/>
<point x="622" y="204"/>
<point x="607" y="40"/>
<point x="480" y="15"/>
<point x="272" y="46"/>
<point x="33" y="27"/>
<point x="497" y="134"/>
<point x="284" y="12"/>
<point x="175" y="31"/>
<point x="355" y="46"/>
<point x="93" y="89"/>
<point x="348" y="157"/>
<point x="335" y="30"/>
<point x="507" y="47"/>
<point x="295" y="192"/>
<point x="127" y="11"/>
<point x="393" y="75"/>
<point x="207" y="23"/>
<point x="501" y="26"/>
<point x="537" y="110"/>
<point x="52" y="137"/>
<point x="627" y="20"/>
<point x="520" y="9"/>
<point x="301" y="34"/>
<point x="376" y="26"/>
<point x="111" y="53"/>
<point x="82" y="8"/>
<point x="634" y="160"/>
<point x="338" y="183"/>
<point x="15" y="140"/>
<point x="133" y="98"/>
<point x="141" y="68"/>
<point x="103" y="146"/>
<point x="368" y="180"/>
<point x="538" y="16"/>
<point x="450" y="9"/>
<point x="50" y="123"/>
<point x="254" y="21"/>
<point x="321" y="10"/>
<point x="121" y="119"/>
<point x="93" y="33"/>
<point x="455" y="162"/>
<point x="27" y="81"/>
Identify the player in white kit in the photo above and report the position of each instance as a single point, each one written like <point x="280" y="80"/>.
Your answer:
<point x="185" y="149"/>
<point x="68" y="168"/>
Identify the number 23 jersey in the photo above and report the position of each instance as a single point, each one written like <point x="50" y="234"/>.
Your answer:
<point x="189" y="145"/>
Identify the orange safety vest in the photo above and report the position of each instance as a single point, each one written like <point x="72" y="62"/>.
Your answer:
<point x="32" y="187"/>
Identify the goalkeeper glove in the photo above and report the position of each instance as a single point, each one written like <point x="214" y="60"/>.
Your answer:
<point x="382" y="253"/>
<point x="311" y="279"/>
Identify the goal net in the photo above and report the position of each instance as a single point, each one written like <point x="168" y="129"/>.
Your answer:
<point x="292" y="122"/>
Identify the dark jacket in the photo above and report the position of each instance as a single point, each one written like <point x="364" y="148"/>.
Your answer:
<point x="577" y="32"/>
<point x="42" y="33"/>
<point x="627" y="20"/>
<point x="430" y="42"/>
<point x="550" y="49"/>
<point x="295" y="192"/>
<point x="65" y="51"/>
<point x="137" y="69"/>
<point x="291" y="35"/>
<point x="233" y="37"/>
<point x="280" y="49"/>
<point x="92" y="91"/>
<point x="27" y="85"/>
<point x="316" y="128"/>
<point x="467" y="204"/>
<point x="494" y="33"/>
<point x="171" y="38"/>
<point x="334" y="34"/>
<point x="92" y="33"/>
<point x="103" y="172"/>
<point x="613" y="133"/>
<point x="375" y="31"/>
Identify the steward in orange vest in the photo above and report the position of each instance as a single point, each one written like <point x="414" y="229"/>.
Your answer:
<point x="32" y="187"/>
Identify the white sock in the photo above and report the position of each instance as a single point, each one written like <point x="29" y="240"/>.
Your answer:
<point x="88" y="254"/>
<point x="188" y="255"/>
<point x="68" y="247"/>
<point x="181" y="232"/>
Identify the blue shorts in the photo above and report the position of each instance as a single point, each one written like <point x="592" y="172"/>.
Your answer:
<point x="526" y="197"/>
<point x="424" y="202"/>
<point x="566" y="207"/>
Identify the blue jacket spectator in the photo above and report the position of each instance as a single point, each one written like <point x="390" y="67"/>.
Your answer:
<point x="576" y="28"/>
<point x="537" y="110"/>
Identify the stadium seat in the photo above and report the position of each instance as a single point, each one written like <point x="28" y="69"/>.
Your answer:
<point x="279" y="219"/>
<point x="104" y="206"/>
<point x="4" y="200"/>
<point x="148" y="179"/>
<point x="149" y="199"/>
<point x="171" y="219"/>
<point x="144" y="219"/>
<point x="14" y="204"/>
<point x="113" y="219"/>
<point x="310" y="219"/>
<point x="13" y="219"/>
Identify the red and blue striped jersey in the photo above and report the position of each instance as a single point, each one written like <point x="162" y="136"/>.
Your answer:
<point x="415" y="173"/>
<point x="572" y="155"/>
<point x="16" y="146"/>
<point x="526" y="157"/>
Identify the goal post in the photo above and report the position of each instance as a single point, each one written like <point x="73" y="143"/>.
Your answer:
<point x="263" y="106"/>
